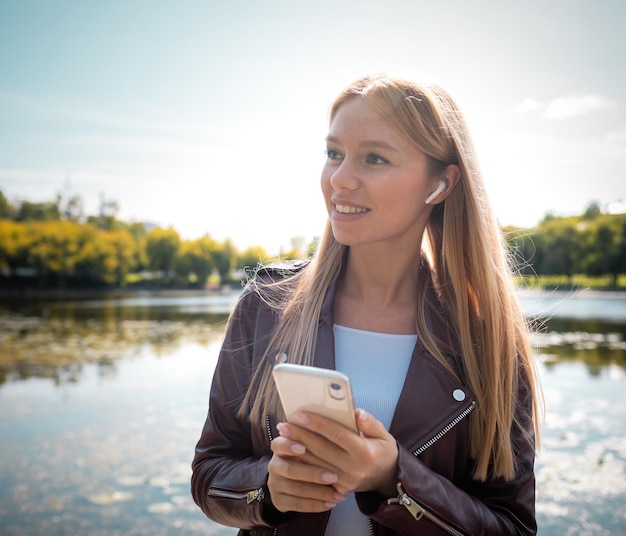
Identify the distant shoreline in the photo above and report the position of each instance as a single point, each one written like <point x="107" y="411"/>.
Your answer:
<point x="8" y="295"/>
<point x="88" y="294"/>
<point x="590" y="292"/>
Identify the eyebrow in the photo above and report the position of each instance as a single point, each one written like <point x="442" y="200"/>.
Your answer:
<point x="367" y="143"/>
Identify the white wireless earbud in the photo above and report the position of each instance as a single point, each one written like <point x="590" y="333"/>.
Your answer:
<point x="440" y="188"/>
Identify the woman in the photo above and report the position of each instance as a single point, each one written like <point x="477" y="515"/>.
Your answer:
<point x="410" y="294"/>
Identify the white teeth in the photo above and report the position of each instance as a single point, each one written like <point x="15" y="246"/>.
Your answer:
<point x="345" y="209"/>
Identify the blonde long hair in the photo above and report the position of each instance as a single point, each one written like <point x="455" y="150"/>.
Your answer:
<point x="469" y="266"/>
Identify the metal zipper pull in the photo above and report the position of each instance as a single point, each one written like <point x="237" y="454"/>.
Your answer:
<point x="249" y="496"/>
<point x="415" y="509"/>
<point x="255" y="495"/>
<point x="418" y="511"/>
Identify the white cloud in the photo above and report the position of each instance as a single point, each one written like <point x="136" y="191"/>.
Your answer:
<point x="528" y="105"/>
<point x="565" y="107"/>
<point x="617" y="207"/>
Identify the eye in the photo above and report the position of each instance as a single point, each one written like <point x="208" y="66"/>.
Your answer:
<point x="375" y="159"/>
<point x="333" y="154"/>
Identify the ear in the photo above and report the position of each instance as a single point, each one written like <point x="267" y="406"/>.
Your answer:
<point x="450" y="176"/>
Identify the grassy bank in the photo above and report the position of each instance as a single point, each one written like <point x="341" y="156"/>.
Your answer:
<point x="578" y="281"/>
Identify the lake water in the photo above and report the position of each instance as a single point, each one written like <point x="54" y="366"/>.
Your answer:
<point x="102" y="402"/>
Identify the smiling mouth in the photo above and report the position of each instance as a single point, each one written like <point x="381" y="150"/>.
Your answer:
<point x="345" y="209"/>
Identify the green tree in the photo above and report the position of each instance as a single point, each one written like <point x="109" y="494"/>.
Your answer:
<point x="14" y="245"/>
<point x="7" y="210"/>
<point x="162" y="246"/>
<point x="107" y="215"/>
<point x="138" y="232"/>
<point x="54" y="249"/>
<point x="251" y="257"/>
<point x="195" y="260"/>
<point x="125" y="252"/>
<point x="105" y="257"/>
<point x="619" y="265"/>
<point x="46" y="211"/>
<point x="225" y="257"/>
<point x="96" y="259"/>
<point x="560" y="247"/>
<point x="592" y="211"/>
<point x="605" y="249"/>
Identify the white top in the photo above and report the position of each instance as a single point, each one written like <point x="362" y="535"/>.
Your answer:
<point x="376" y="364"/>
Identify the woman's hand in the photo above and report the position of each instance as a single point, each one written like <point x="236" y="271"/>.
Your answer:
<point x="317" y="462"/>
<point x="298" y="486"/>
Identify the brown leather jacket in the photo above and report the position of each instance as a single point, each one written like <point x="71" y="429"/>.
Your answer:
<point x="436" y="492"/>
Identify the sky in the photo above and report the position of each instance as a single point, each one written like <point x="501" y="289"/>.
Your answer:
<point x="210" y="116"/>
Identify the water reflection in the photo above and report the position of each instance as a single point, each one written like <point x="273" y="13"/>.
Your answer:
<point x="101" y="402"/>
<point x="56" y="340"/>
<point x="596" y="344"/>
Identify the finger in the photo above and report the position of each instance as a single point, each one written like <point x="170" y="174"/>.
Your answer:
<point x="302" y="497"/>
<point x="291" y="490"/>
<point x="295" y="470"/>
<point x="288" y="448"/>
<point x="318" y="450"/>
<point x="327" y="428"/>
<point x="363" y="462"/>
<point x="284" y="446"/>
<point x="370" y="426"/>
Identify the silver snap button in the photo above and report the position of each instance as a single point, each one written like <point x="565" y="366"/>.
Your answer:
<point x="458" y="395"/>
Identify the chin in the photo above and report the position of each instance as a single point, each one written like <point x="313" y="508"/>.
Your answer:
<point x="343" y="239"/>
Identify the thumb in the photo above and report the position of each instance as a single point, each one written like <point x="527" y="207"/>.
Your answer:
<point x="369" y="426"/>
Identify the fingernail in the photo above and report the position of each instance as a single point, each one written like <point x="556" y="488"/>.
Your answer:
<point x="283" y="429"/>
<point x="363" y="415"/>
<point x="303" y="418"/>
<point x="329" y="505"/>
<point x="297" y="448"/>
<point x="329" y="478"/>
<point x="339" y="496"/>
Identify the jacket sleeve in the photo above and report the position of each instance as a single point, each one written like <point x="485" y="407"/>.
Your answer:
<point x="228" y="477"/>
<point x="430" y="504"/>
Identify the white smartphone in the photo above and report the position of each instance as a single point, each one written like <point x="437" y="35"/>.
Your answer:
<point x="317" y="390"/>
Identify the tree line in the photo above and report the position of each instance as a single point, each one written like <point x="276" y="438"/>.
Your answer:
<point x="592" y="244"/>
<point x="55" y="245"/>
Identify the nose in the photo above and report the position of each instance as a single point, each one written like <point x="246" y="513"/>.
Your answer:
<point x="345" y="176"/>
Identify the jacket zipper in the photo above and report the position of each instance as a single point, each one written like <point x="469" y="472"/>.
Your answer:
<point x="268" y="428"/>
<point x="445" y="430"/>
<point x="250" y="496"/>
<point x="270" y="436"/>
<point x="415" y="509"/>
<point x="418" y="511"/>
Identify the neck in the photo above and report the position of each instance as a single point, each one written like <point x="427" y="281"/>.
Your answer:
<point x="378" y="292"/>
<point x="381" y="280"/>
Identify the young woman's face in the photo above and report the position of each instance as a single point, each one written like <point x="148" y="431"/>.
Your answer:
<point x="374" y="181"/>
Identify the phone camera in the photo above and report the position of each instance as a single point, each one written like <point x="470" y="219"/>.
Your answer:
<point x="336" y="391"/>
